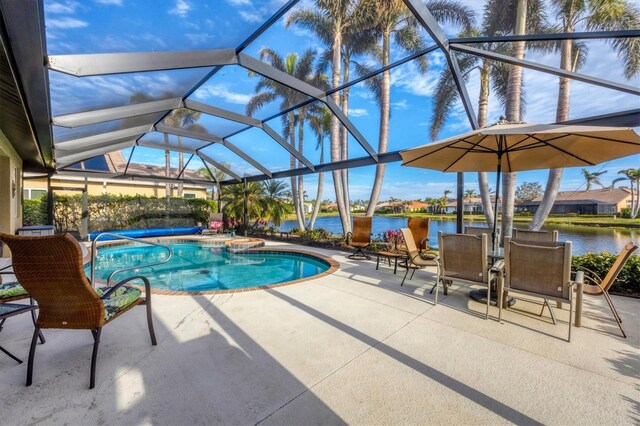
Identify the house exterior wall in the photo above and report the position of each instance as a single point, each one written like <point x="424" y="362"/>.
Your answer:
<point x="10" y="189"/>
<point x="112" y="186"/>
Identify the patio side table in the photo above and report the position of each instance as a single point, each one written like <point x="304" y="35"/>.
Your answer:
<point x="390" y="255"/>
<point x="9" y="310"/>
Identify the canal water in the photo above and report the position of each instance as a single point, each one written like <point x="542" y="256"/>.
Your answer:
<point x="584" y="238"/>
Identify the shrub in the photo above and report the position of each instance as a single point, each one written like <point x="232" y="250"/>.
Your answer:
<point x="627" y="283"/>
<point x="314" y="234"/>
<point x="34" y="212"/>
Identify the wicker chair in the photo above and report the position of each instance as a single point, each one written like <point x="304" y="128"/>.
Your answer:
<point x="50" y="268"/>
<point x="541" y="269"/>
<point x="420" y="230"/>
<point x="596" y="286"/>
<point x="415" y="259"/>
<point x="360" y="238"/>
<point x="463" y="258"/>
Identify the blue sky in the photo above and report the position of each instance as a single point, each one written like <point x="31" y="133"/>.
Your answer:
<point x="99" y="26"/>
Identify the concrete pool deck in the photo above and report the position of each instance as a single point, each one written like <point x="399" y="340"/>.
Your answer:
<point x="351" y="347"/>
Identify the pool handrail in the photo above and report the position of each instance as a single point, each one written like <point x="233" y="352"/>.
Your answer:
<point x="148" y="265"/>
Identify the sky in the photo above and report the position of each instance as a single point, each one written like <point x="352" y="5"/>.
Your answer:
<point x="104" y="26"/>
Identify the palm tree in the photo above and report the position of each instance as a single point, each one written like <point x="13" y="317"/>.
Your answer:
<point x="395" y="19"/>
<point x="498" y="19"/>
<point x="218" y="175"/>
<point x="595" y="15"/>
<point x="331" y="20"/>
<point x="183" y="118"/>
<point x="469" y="194"/>
<point x="268" y="91"/>
<point x="592" y="178"/>
<point x="633" y="175"/>
<point x="320" y="123"/>
<point x="275" y="194"/>
<point x="233" y="196"/>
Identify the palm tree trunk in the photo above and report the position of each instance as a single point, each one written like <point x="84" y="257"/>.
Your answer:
<point x="483" y="179"/>
<point x="294" y="183"/>
<point x="635" y="199"/>
<point x="345" y="138"/>
<point x="514" y="94"/>
<point x="554" y="179"/>
<point x="383" y="138"/>
<point x="335" y="130"/>
<point x="316" y="207"/>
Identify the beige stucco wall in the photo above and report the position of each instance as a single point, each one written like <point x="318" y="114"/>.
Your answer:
<point x="10" y="187"/>
<point x="98" y="187"/>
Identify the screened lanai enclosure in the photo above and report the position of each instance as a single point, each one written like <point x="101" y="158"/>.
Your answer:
<point x="255" y="90"/>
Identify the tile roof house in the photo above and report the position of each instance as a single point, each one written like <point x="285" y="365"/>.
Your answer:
<point x="595" y="201"/>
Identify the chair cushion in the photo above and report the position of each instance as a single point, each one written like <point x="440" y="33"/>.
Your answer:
<point x="119" y="300"/>
<point x="12" y="289"/>
<point x="215" y="225"/>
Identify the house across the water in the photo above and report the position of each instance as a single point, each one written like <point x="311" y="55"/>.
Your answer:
<point x="595" y="201"/>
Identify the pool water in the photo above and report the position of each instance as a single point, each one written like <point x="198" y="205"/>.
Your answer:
<point x="199" y="266"/>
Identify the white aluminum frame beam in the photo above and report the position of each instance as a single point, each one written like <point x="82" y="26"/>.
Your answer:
<point x="214" y="139"/>
<point x="249" y="121"/>
<point x="547" y="69"/>
<point x="204" y="157"/>
<point x="72" y="158"/>
<point x="121" y="63"/>
<point x="89" y="142"/>
<point x="163" y="147"/>
<point x="108" y="114"/>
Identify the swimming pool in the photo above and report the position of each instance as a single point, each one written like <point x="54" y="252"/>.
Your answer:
<point x="200" y="266"/>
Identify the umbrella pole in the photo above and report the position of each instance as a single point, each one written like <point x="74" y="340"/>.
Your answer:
<point x="495" y="207"/>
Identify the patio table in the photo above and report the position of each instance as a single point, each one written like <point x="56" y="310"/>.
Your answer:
<point x="390" y="255"/>
<point x="9" y="310"/>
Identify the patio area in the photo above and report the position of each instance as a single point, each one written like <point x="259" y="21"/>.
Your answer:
<point x="352" y="347"/>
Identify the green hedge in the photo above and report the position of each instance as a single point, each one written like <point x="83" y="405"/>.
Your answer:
<point x="627" y="283"/>
<point x="119" y="212"/>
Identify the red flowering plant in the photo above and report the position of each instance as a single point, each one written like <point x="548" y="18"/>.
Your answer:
<point x="393" y="238"/>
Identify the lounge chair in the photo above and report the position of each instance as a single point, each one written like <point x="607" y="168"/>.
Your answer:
<point x="215" y="224"/>
<point x="51" y="269"/>
<point x="596" y="286"/>
<point x="415" y="259"/>
<point x="541" y="269"/>
<point x="420" y="230"/>
<point x="463" y="258"/>
<point x="360" y="238"/>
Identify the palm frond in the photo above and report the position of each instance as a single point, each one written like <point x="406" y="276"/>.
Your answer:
<point x="259" y="101"/>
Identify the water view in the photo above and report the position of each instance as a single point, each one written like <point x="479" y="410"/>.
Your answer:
<point x="584" y="238"/>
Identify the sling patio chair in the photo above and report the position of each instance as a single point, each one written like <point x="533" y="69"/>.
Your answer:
<point x="51" y="269"/>
<point x="416" y="260"/>
<point x="527" y="235"/>
<point x="360" y="238"/>
<point x="420" y="230"/>
<point x="479" y="230"/>
<point x="596" y="286"/>
<point x="463" y="258"/>
<point x="539" y="269"/>
<point x="215" y="224"/>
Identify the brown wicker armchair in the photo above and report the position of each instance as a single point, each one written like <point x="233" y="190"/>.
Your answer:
<point x="360" y="238"/>
<point x="420" y="230"/>
<point x="51" y="269"/>
<point x="596" y="286"/>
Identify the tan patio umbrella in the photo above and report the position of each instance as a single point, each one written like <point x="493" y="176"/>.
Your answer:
<point x="518" y="147"/>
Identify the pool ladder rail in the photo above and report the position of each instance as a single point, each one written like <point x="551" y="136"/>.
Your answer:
<point x="117" y="271"/>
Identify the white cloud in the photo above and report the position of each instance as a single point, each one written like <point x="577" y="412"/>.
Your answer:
<point x="222" y="91"/>
<point x="181" y="8"/>
<point x="67" y="7"/>
<point x="239" y="2"/>
<point x="358" y="112"/>
<point x="110" y="2"/>
<point x="251" y="16"/>
<point x="198" y="38"/>
<point x="400" y="105"/>
<point x="66" y="23"/>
